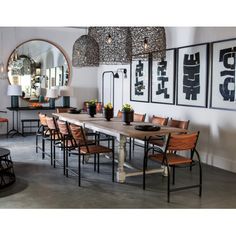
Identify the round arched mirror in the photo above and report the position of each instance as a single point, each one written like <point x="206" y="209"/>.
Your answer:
<point x="38" y="65"/>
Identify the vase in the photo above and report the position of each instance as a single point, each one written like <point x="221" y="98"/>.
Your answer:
<point x="92" y="110"/>
<point x="127" y="117"/>
<point x="108" y="114"/>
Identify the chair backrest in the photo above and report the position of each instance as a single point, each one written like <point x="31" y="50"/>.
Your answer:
<point x="139" y="117"/>
<point x="119" y="114"/>
<point x="62" y="110"/>
<point x="51" y="123"/>
<point x="63" y="128"/>
<point x="79" y="135"/>
<point x="42" y="119"/>
<point x="182" y="142"/>
<point x="182" y="124"/>
<point x="157" y="120"/>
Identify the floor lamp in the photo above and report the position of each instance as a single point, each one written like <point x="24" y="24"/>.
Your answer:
<point x="15" y="91"/>
<point x="113" y="88"/>
<point x="124" y="76"/>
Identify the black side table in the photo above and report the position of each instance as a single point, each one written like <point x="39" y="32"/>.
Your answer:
<point x="7" y="175"/>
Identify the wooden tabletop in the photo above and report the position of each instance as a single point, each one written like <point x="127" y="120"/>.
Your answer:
<point x="78" y="119"/>
<point x="115" y="127"/>
<point x="129" y="130"/>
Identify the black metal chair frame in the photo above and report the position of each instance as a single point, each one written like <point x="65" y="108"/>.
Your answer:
<point x="96" y="156"/>
<point x="43" y="133"/>
<point x="68" y="150"/>
<point x="165" y="163"/>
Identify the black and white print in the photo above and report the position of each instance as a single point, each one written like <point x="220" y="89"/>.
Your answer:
<point x="223" y="94"/>
<point x="163" y="78"/>
<point x="139" y="83"/>
<point x="192" y="75"/>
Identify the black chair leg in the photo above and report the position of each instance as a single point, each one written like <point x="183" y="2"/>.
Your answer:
<point x="200" y="179"/>
<point x="64" y="156"/>
<point x="173" y="175"/>
<point x="51" y="149"/>
<point x="36" y="143"/>
<point x="144" y="173"/>
<point x="67" y="158"/>
<point x="98" y="161"/>
<point x="95" y="161"/>
<point x="113" y="161"/>
<point x="54" y="153"/>
<point x="43" y="148"/>
<point x="79" y="170"/>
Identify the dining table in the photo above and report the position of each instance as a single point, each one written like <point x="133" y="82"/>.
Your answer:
<point x="120" y="131"/>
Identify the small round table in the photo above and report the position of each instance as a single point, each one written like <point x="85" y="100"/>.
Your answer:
<point x="7" y="175"/>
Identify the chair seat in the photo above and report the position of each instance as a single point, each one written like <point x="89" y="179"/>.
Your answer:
<point x="3" y="120"/>
<point x="173" y="159"/>
<point x="94" y="149"/>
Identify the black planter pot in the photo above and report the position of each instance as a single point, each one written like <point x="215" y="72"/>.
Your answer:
<point x="108" y="114"/>
<point x="92" y="110"/>
<point x="127" y="117"/>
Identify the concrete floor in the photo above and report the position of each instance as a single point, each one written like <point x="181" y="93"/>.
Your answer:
<point x="39" y="185"/>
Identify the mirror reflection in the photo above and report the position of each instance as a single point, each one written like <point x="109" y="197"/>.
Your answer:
<point x="37" y="65"/>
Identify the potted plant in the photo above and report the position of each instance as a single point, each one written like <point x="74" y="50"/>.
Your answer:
<point x="92" y="107"/>
<point x="108" y="111"/>
<point x="127" y="114"/>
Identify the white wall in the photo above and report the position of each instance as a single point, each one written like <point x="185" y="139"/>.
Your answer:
<point x="83" y="80"/>
<point x="217" y="128"/>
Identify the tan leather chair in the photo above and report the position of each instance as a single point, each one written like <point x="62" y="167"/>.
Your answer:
<point x="83" y="148"/>
<point x="139" y="117"/>
<point x="182" y="124"/>
<point x="157" y="120"/>
<point x="170" y="159"/>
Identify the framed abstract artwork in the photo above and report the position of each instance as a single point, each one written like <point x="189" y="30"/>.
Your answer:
<point x="139" y="81"/>
<point x="59" y="75"/>
<point x="192" y="75"/>
<point x="223" y="84"/>
<point x="163" y="78"/>
<point x="52" y="77"/>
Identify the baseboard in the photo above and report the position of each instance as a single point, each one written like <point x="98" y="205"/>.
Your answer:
<point x="217" y="161"/>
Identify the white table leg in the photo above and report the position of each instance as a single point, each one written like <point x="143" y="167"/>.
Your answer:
<point x="121" y="159"/>
<point x="165" y="171"/>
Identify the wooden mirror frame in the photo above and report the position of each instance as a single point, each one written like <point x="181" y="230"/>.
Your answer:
<point x="47" y="41"/>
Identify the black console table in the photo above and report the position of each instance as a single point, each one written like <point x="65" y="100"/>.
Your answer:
<point x="7" y="175"/>
<point x="15" y="129"/>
